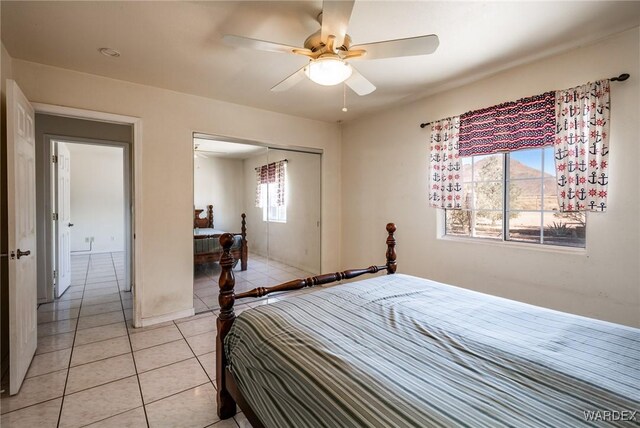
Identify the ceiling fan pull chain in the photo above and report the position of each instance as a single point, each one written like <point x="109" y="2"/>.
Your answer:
<point x="344" y="97"/>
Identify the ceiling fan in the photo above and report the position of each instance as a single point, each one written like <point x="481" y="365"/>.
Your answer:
<point x="329" y="50"/>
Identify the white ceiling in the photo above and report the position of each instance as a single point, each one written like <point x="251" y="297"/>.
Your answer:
<point x="177" y="45"/>
<point x="216" y="148"/>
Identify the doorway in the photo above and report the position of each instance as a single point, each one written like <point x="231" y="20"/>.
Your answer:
<point x="53" y="326"/>
<point x="90" y="215"/>
<point x="103" y="153"/>
<point x="269" y="198"/>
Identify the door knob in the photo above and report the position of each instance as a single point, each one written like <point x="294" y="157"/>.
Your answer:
<point x="22" y="253"/>
<point x="70" y="224"/>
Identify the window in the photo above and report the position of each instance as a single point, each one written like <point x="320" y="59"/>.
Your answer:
<point x="512" y="197"/>
<point x="271" y="212"/>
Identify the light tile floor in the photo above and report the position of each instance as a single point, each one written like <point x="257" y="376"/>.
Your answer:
<point x="260" y="272"/>
<point x="93" y="369"/>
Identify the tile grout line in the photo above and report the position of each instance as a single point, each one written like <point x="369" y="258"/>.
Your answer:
<point x="179" y="392"/>
<point x="155" y="346"/>
<point x="66" y="381"/>
<point x="194" y="354"/>
<point x="133" y="358"/>
<point x="101" y="359"/>
<point x="166" y="365"/>
<point x="99" y="385"/>
<point x="109" y="417"/>
<point x="31" y="405"/>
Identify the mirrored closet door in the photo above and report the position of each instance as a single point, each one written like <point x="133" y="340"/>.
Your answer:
<point x="269" y="198"/>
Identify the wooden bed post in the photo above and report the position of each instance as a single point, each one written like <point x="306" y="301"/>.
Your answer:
<point x="226" y="404"/>
<point x="244" y="249"/>
<point x="210" y="215"/>
<point x="391" y="249"/>
<point x="228" y="391"/>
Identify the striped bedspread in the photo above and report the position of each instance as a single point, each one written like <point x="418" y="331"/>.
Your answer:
<point x="212" y="244"/>
<point x="400" y="351"/>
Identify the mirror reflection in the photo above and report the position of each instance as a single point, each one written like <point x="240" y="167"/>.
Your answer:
<point x="269" y="198"/>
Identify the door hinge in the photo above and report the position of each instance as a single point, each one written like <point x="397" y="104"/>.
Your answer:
<point x="54" y="158"/>
<point x="55" y="216"/>
<point x="55" y="274"/>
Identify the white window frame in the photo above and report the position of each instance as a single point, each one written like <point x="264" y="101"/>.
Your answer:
<point x="504" y="238"/>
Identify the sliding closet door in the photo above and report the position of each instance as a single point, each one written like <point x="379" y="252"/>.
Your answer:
<point x="278" y="190"/>
<point x="292" y="214"/>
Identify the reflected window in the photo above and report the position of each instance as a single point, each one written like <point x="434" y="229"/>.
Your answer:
<point x="271" y="211"/>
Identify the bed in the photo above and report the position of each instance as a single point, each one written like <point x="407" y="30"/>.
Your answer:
<point x="206" y="240"/>
<point x="396" y="351"/>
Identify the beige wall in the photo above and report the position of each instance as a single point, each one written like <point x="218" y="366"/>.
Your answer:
<point x="385" y="176"/>
<point x="219" y="181"/>
<point x="164" y="162"/>
<point x="97" y="197"/>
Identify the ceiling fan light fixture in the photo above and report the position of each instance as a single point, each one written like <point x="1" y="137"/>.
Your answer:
<point x="328" y="71"/>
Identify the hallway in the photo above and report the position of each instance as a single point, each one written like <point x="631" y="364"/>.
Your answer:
<point x="93" y="369"/>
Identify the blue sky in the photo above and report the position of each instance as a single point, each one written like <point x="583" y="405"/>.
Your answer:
<point x="533" y="159"/>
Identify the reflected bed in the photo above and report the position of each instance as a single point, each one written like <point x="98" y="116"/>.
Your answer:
<point x="206" y="240"/>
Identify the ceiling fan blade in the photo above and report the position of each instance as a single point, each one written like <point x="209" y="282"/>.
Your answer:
<point x="335" y="19"/>
<point x="261" y="45"/>
<point x="422" y="45"/>
<point x="290" y="81"/>
<point x="359" y="83"/>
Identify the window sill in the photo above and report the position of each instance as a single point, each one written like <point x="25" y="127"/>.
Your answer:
<point x="275" y="221"/>
<point x="516" y="244"/>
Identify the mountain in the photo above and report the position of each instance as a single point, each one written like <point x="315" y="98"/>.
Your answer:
<point x="526" y="193"/>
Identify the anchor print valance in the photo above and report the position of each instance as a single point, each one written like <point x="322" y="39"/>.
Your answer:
<point x="575" y="121"/>
<point x="515" y="125"/>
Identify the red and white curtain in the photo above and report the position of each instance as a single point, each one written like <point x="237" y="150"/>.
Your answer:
<point x="515" y="125"/>
<point x="582" y="147"/>
<point x="445" y="166"/>
<point x="267" y="174"/>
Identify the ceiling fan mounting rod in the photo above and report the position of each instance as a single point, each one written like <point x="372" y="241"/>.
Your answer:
<point x="315" y="48"/>
<point x="329" y="45"/>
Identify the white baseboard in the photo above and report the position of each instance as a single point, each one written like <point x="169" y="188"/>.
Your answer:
<point x="288" y="263"/>
<point x="83" y="252"/>
<point x="146" y="322"/>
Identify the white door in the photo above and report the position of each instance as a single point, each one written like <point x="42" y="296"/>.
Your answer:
<point x="63" y="223"/>
<point x="21" y="191"/>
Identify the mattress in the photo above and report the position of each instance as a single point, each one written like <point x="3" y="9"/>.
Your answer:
<point x="212" y="244"/>
<point x="401" y="351"/>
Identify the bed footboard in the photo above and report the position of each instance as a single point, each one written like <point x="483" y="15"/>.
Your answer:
<point x="241" y="254"/>
<point x="226" y="298"/>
